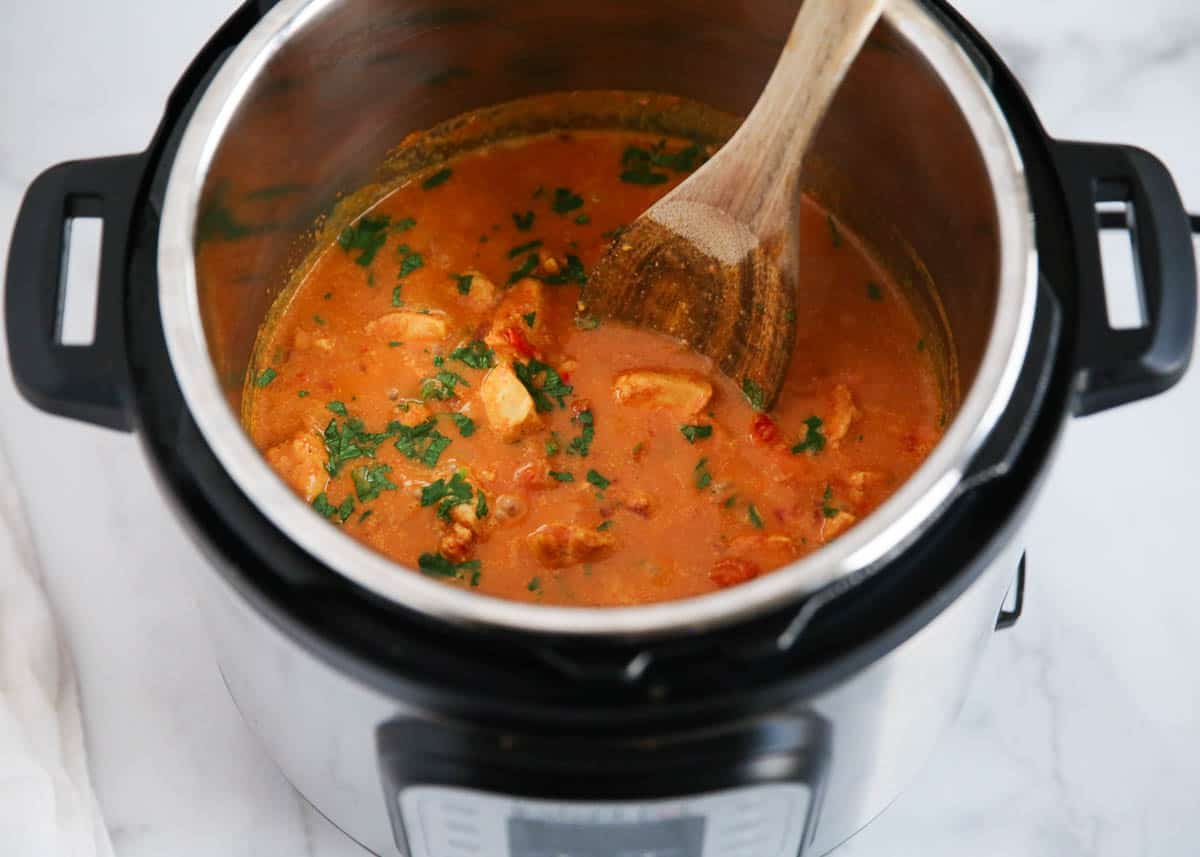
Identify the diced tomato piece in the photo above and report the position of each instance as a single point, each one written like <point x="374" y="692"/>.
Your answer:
<point x="517" y="340"/>
<point x="763" y="429"/>
<point x="731" y="571"/>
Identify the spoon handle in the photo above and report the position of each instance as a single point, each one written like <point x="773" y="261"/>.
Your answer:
<point x="759" y="183"/>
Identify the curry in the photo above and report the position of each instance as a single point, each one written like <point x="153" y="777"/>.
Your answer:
<point x="431" y="386"/>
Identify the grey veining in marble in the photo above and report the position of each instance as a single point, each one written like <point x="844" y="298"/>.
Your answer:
<point x="1082" y="732"/>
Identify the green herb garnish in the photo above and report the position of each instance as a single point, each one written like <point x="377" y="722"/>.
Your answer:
<point x="583" y="219"/>
<point x="526" y="268"/>
<point x="463" y="281"/>
<point x="587" y="322"/>
<point x="535" y="584"/>
<point x="447" y="495"/>
<point x="370" y="480"/>
<point x="403" y="224"/>
<point x="813" y="440"/>
<point x="552" y="388"/>
<point x="336" y="407"/>
<point x="530" y="318"/>
<point x="436" y="565"/>
<point x="396" y="297"/>
<point x="702" y="476"/>
<point x="524" y="248"/>
<point x="753" y="516"/>
<point x="828" y="510"/>
<point x="410" y="261"/>
<point x="607" y="525"/>
<point x="582" y="445"/>
<point x="475" y="354"/>
<point x="565" y="200"/>
<point x="596" y="479"/>
<point x="437" y="178"/>
<point x="695" y="433"/>
<point x="265" y="377"/>
<point x="523" y="222"/>
<point x="365" y="236"/>
<point x="466" y="425"/>
<point x="562" y="475"/>
<point x="754" y="394"/>
<point x="302" y="394"/>
<point x="552" y="444"/>
<point x="422" y="442"/>
<point x="874" y="292"/>
<point x="348" y="442"/>
<point x="442" y="386"/>
<point x="573" y="273"/>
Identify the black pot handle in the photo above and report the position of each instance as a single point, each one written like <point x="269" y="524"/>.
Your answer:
<point x="84" y="382"/>
<point x="1119" y="366"/>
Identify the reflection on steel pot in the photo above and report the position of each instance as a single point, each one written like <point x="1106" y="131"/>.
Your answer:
<point x="777" y="717"/>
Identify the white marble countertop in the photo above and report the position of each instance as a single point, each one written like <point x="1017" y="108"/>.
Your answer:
<point x="1081" y="735"/>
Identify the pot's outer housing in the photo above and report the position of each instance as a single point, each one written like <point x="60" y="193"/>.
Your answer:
<point x="325" y="673"/>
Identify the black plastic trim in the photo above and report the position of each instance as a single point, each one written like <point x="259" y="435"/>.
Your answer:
<point x="1120" y="366"/>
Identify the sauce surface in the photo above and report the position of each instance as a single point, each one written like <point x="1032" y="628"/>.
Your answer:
<point x="431" y="388"/>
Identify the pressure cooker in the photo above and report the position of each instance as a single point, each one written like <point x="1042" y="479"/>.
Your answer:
<point x="774" y="718"/>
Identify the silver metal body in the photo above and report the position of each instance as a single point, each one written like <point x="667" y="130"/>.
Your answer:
<point x="319" y="724"/>
<point x="914" y="156"/>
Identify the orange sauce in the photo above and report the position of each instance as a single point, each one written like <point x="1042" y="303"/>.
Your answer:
<point x="671" y="500"/>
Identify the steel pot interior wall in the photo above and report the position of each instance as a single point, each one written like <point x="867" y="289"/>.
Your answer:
<point x="895" y="159"/>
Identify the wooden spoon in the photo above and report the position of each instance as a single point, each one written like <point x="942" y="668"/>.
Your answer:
<point x="715" y="261"/>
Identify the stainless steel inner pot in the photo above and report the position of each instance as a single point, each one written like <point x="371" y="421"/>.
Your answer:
<point x="915" y="156"/>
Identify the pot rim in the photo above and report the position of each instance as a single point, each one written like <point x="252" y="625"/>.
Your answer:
<point x="877" y="537"/>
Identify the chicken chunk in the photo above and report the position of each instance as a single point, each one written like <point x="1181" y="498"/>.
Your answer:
<point x="731" y="571"/>
<point x="406" y="325"/>
<point x="842" y="413"/>
<point x="676" y="391"/>
<point x="511" y="332"/>
<point x="482" y="294"/>
<point x="509" y="407"/>
<point x="301" y="463"/>
<point x="563" y="545"/>
<point x="833" y="527"/>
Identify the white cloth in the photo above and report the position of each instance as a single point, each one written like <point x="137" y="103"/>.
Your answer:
<point x="47" y="807"/>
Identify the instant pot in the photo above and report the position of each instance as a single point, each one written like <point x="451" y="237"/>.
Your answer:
<point x="775" y="718"/>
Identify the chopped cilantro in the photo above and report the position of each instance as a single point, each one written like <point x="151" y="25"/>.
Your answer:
<point x="535" y="584"/>
<point x="573" y="273"/>
<point x="874" y="292"/>
<point x="437" y="178"/>
<point x="828" y="510"/>
<point x="370" y="480"/>
<point x="436" y="565"/>
<point x="442" y="386"/>
<point x="475" y="354"/>
<point x="439" y="360"/>
<point x="481" y="506"/>
<point x="552" y="444"/>
<point x="524" y="270"/>
<point x="702" y="476"/>
<point x="320" y="321"/>
<point x="754" y="394"/>
<point x="524" y="248"/>
<point x="566" y="200"/>
<point x="695" y="433"/>
<point x="365" y="236"/>
<point x="638" y="164"/>
<point x="587" y="322"/>
<point x="447" y="495"/>
<point x="753" y="516"/>
<point x="410" y="261"/>
<point x="920" y="344"/>
<point x="394" y="343"/>
<point x="523" y="222"/>
<point x="729" y="501"/>
<point x="337" y="408"/>
<point x="582" y="219"/>
<point x="596" y="479"/>
<point x="582" y="445"/>
<point x="835" y="234"/>
<point x="302" y="394"/>
<point x="349" y="442"/>
<point x="614" y="233"/>
<point x="813" y="440"/>
<point x="266" y="377"/>
<point x="552" y="388"/>
<point x="607" y="525"/>
<point x="562" y="475"/>
<point x="466" y="425"/>
<point x="463" y="281"/>
<point x="422" y="442"/>
<point x="396" y="297"/>
<point x="323" y="506"/>
<point x="403" y="224"/>
<point x="366" y="515"/>
<point x="530" y="318"/>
